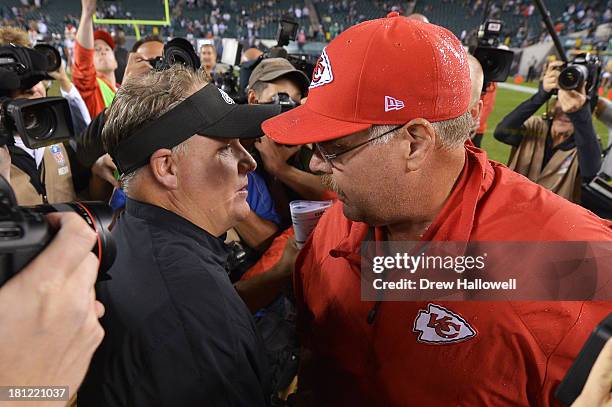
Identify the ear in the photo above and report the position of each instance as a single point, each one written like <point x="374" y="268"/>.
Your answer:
<point x="476" y="110"/>
<point x="418" y="139"/>
<point x="164" y="169"/>
<point x="252" y="97"/>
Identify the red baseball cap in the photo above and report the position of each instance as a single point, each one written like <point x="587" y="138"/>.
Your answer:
<point x="385" y="71"/>
<point x="104" y="36"/>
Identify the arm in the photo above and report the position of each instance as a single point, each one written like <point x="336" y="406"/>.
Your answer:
<point x="260" y="290"/>
<point x="85" y="35"/>
<point x="510" y="130"/>
<point x="275" y="156"/>
<point x="256" y="232"/>
<point x="306" y="184"/>
<point x="83" y="70"/>
<point x="575" y="105"/>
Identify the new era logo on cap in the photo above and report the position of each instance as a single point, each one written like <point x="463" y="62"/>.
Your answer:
<point x="393" y="104"/>
<point x="322" y="73"/>
<point x="226" y="97"/>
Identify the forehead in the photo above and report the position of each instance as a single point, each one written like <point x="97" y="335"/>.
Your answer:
<point x="151" y="49"/>
<point x="283" y="85"/>
<point x="206" y="49"/>
<point x="346" y="140"/>
<point x="101" y="44"/>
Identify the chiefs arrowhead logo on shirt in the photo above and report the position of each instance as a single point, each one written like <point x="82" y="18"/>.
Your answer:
<point x="322" y="73"/>
<point x="438" y="325"/>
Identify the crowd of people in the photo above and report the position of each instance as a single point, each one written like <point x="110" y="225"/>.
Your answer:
<point x="211" y="301"/>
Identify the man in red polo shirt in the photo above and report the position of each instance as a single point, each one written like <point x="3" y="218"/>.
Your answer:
<point x="388" y="110"/>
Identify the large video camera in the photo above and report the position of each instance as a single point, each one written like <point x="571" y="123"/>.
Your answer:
<point x="24" y="231"/>
<point x="496" y="61"/>
<point x="176" y="51"/>
<point x="39" y="122"/>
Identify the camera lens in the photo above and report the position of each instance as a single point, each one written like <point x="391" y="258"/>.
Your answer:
<point x="99" y="217"/>
<point x="52" y="56"/>
<point x="40" y="123"/>
<point x="572" y="77"/>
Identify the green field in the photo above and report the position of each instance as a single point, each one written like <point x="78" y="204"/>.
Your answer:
<point x="505" y="101"/>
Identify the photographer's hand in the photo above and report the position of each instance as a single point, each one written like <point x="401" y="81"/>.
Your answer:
<point x="49" y="313"/>
<point x="136" y="66"/>
<point x="104" y="167"/>
<point x="549" y="82"/>
<point x="62" y="77"/>
<point x="596" y="392"/>
<point x="571" y="100"/>
<point x="273" y="155"/>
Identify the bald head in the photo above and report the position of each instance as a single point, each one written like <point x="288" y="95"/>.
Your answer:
<point x="250" y="54"/>
<point x="477" y="78"/>
<point x="419" y="17"/>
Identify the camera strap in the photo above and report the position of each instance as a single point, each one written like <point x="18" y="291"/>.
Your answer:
<point x="27" y="164"/>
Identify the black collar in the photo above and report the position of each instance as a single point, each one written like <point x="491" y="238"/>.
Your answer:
<point x="170" y="220"/>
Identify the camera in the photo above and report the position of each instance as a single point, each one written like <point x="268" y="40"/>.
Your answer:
<point x="583" y="69"/>
<point x="176" y="51"/>
<point x="227" y="82"/>
<point x="24" y="231"/>
<point x="39" y="122"/>
<point x="496" y="61"/>
<point x="284" y="100"/>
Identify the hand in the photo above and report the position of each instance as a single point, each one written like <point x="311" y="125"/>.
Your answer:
<point x="596" y="391"/>
<point x="104" y="167"/>
<point x="273" y="155"/>
<point x="549" y="82"/>
<point x="49" y="313"/>
<point x="290" y="253"/>
<point x="571" y="100"/>
<point x="136" y="66"/>
<point x="88" y="7"/>
<point x="62" y="77"/>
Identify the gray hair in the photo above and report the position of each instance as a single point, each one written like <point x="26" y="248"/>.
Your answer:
<point x="450" y="133"/>
<point x="143" y="100"/>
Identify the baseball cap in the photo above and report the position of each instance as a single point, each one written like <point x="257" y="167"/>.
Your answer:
<point x="385" y="71"/>
<point x="104" y="36"/>
<point x="270" y="69"/>
<point x="208" y="112"/>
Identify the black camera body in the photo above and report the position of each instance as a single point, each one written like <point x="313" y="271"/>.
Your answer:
<point x="24" y="231"/>
<point x="176" y="51"/>
<point x="496" y="62"/>
<point x="584" y="69"/>
<point x="284" y="100"/>
<point x="39" y="122"/>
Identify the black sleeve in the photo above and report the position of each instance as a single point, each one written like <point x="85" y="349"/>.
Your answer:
<point x="510" y="130"/>
<point x="89" y="142"/>
<point x="589" y="149"/>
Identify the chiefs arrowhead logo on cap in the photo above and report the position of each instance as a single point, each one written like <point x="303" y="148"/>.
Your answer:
<point x="322" y="73"/>
<point x="438" y="325"/>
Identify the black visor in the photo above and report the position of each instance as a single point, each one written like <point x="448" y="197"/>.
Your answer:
<point x="208" y="112"/>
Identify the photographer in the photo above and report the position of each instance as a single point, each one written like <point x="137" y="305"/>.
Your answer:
<point x="208" y="59"/>
<point x="560" y="153"/>
<point x="44" y="174"/>
<point x="179" y="334"/>
<point x="49" y="315"/>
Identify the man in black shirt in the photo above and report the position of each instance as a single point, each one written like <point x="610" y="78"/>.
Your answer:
<point x="177" y="333"/>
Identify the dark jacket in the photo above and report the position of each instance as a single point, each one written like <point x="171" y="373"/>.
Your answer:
<point x="177" y="334"/>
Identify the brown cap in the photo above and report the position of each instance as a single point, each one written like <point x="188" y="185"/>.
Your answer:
<point x="270" y="69"/>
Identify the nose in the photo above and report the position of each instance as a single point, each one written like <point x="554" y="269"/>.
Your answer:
<point x="247" y="163"/>
<point x="319" y="164"/>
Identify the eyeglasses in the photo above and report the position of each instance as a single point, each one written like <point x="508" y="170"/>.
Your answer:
<point x="328" y="156"/>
